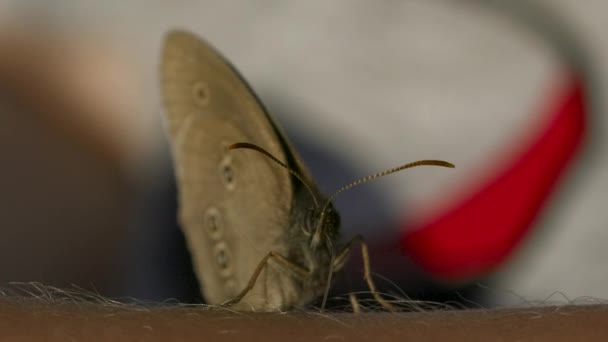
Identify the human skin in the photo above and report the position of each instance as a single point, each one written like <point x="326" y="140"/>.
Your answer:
<point x="36" y="319"/>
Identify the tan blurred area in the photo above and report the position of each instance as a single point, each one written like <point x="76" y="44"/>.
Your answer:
<point x="65" y="200"/>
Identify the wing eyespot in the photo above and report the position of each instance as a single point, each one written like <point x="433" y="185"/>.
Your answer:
<point x="214" y="223"/>
<point x="227" y="173"/>
<point x="223" y="258"/>
<point x="201" y="94"/>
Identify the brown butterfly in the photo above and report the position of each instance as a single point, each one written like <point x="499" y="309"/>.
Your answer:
<point x="261" y="235"/>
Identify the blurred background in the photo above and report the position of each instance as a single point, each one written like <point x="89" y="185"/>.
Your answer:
<point x="87" y="193"/>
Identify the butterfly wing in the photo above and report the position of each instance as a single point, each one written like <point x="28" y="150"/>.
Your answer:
<point x="234" y="206"/>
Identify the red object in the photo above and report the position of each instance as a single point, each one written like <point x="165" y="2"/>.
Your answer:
<point x="477" y="234"/>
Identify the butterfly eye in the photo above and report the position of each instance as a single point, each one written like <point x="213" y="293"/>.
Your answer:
<point x="200" y="93"/>
<point x="213" y="223"/>
<point x="227" y="173"/>
<point x="332" y="221"/>
<point x="223" y="258"/>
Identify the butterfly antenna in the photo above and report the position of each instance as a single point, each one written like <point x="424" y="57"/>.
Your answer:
<point x="274" y="159"/>
<point x="384" y="173"/>
<point x="388" y="172"/>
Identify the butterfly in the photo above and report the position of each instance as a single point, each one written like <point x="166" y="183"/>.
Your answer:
<point x="261" y="235"/>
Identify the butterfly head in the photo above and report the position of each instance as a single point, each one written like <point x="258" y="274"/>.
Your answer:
<point x="323" y="223"/>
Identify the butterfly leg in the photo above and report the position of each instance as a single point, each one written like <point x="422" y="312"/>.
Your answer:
<point x="354" y="303"/>
<point x="341" y="260"/>
<point x="298" y="270"/>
